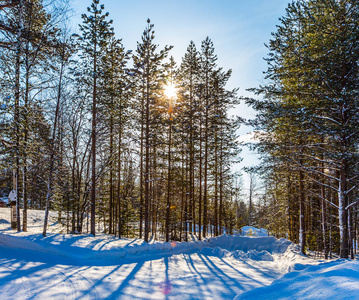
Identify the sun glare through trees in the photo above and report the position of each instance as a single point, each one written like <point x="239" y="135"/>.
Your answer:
<point x="142" y="142"/>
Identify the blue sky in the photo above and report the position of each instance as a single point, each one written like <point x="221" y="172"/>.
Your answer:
<point x="238" y="29"/>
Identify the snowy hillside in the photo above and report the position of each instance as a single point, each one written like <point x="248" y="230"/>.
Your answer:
<point x="63" y="266"/>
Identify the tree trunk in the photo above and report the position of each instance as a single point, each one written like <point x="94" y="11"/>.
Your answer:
<point x="168" y="183"/>
<point x="302" y="237"/>
<point x="141" y="168"/>
<point x="221" y="190"/>
<point x="147" y="159"/>
<point x="251" y="187"/>
<point x="342" y="203"/>
<point x="324" y="220"/>
<point x="26" y="104"/>
<point x="205" y="192"/>
<point x="17" y="116"/>
<point x="119" y="188"/>
<point x="216" y="188"/>
<point x="200" y="185"/>
<point x="111" y="210"/>
<point x="53" y="146"/>
<point x="350" y="231"/>
<point x="93" y="146"/>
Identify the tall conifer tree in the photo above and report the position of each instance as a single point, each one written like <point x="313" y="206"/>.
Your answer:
<point x="95" y="35"/>
<point x="149" y="65"/>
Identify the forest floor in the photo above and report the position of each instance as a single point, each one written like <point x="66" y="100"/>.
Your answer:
<point x="65" y="266"/>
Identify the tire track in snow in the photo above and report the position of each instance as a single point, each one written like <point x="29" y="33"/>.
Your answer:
<point x="14" y="286"/>
<point x="86" y="284"/>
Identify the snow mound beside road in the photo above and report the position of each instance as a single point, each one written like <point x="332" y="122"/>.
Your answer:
<point x="333" y="280"/>
<point x="111" y="250"/>
<point x="254" y="255"/>
<point x="245" y="244"/>
<point x="238" y="254"/>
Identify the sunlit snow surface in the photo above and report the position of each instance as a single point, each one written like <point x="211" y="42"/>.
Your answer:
<point x="334" y="280"/>
<point x="64" y="266"/>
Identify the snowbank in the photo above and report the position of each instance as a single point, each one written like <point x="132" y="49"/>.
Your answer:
<point x="233" y="243"/>
<point x="62" y="266"/>
<point x="238" y="254"/>
<point x="111" y="250"/>
<point x="333" y="280"/>
<point x="106" y="249"/>
<point x="100" y="267"/>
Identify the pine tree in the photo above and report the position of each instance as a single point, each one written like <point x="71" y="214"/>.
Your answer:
<point x="188" y="77"/>
<point x="149" y="66"/>
<point x="207" y="68"/>
<point x="95" y="34"/>
<point x="313" y="94"/>
<point x="116" y="88"/>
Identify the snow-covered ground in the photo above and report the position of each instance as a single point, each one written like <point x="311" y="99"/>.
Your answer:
<point x="63" y="266"/>
<point x="35" y="220"/>
<point x="334" y="280"/>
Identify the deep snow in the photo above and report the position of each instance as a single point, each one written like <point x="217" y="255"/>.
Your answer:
<point x="63" y="266"/>
<point x="334" y="280"/>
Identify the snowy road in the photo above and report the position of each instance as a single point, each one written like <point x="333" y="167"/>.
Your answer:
<point x="64" y="266"/>
<point x="27" y="275"/>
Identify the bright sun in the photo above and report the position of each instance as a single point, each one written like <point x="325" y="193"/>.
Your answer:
<point x="170" y="91"/>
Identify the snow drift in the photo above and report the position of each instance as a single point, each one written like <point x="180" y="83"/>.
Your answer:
<point x="112" y="250"/>
<point x="253" y="266"/>
<point x="334" y="280"/>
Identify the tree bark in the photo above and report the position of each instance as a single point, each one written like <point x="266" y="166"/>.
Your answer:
<point x="168" y="183"/>
<point x="343" y="217"/>
<point x="147" y="157"/>
<point x="53" y="148"/>
<point x="93" y="145"/>
<point x="17" y="115"/>
<point x="302" y="237"/>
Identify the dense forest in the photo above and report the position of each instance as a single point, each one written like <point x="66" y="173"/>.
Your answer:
<point x="307" y="126"/>
<point x="104" y="135"/>
<point x="144" y="146"/>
